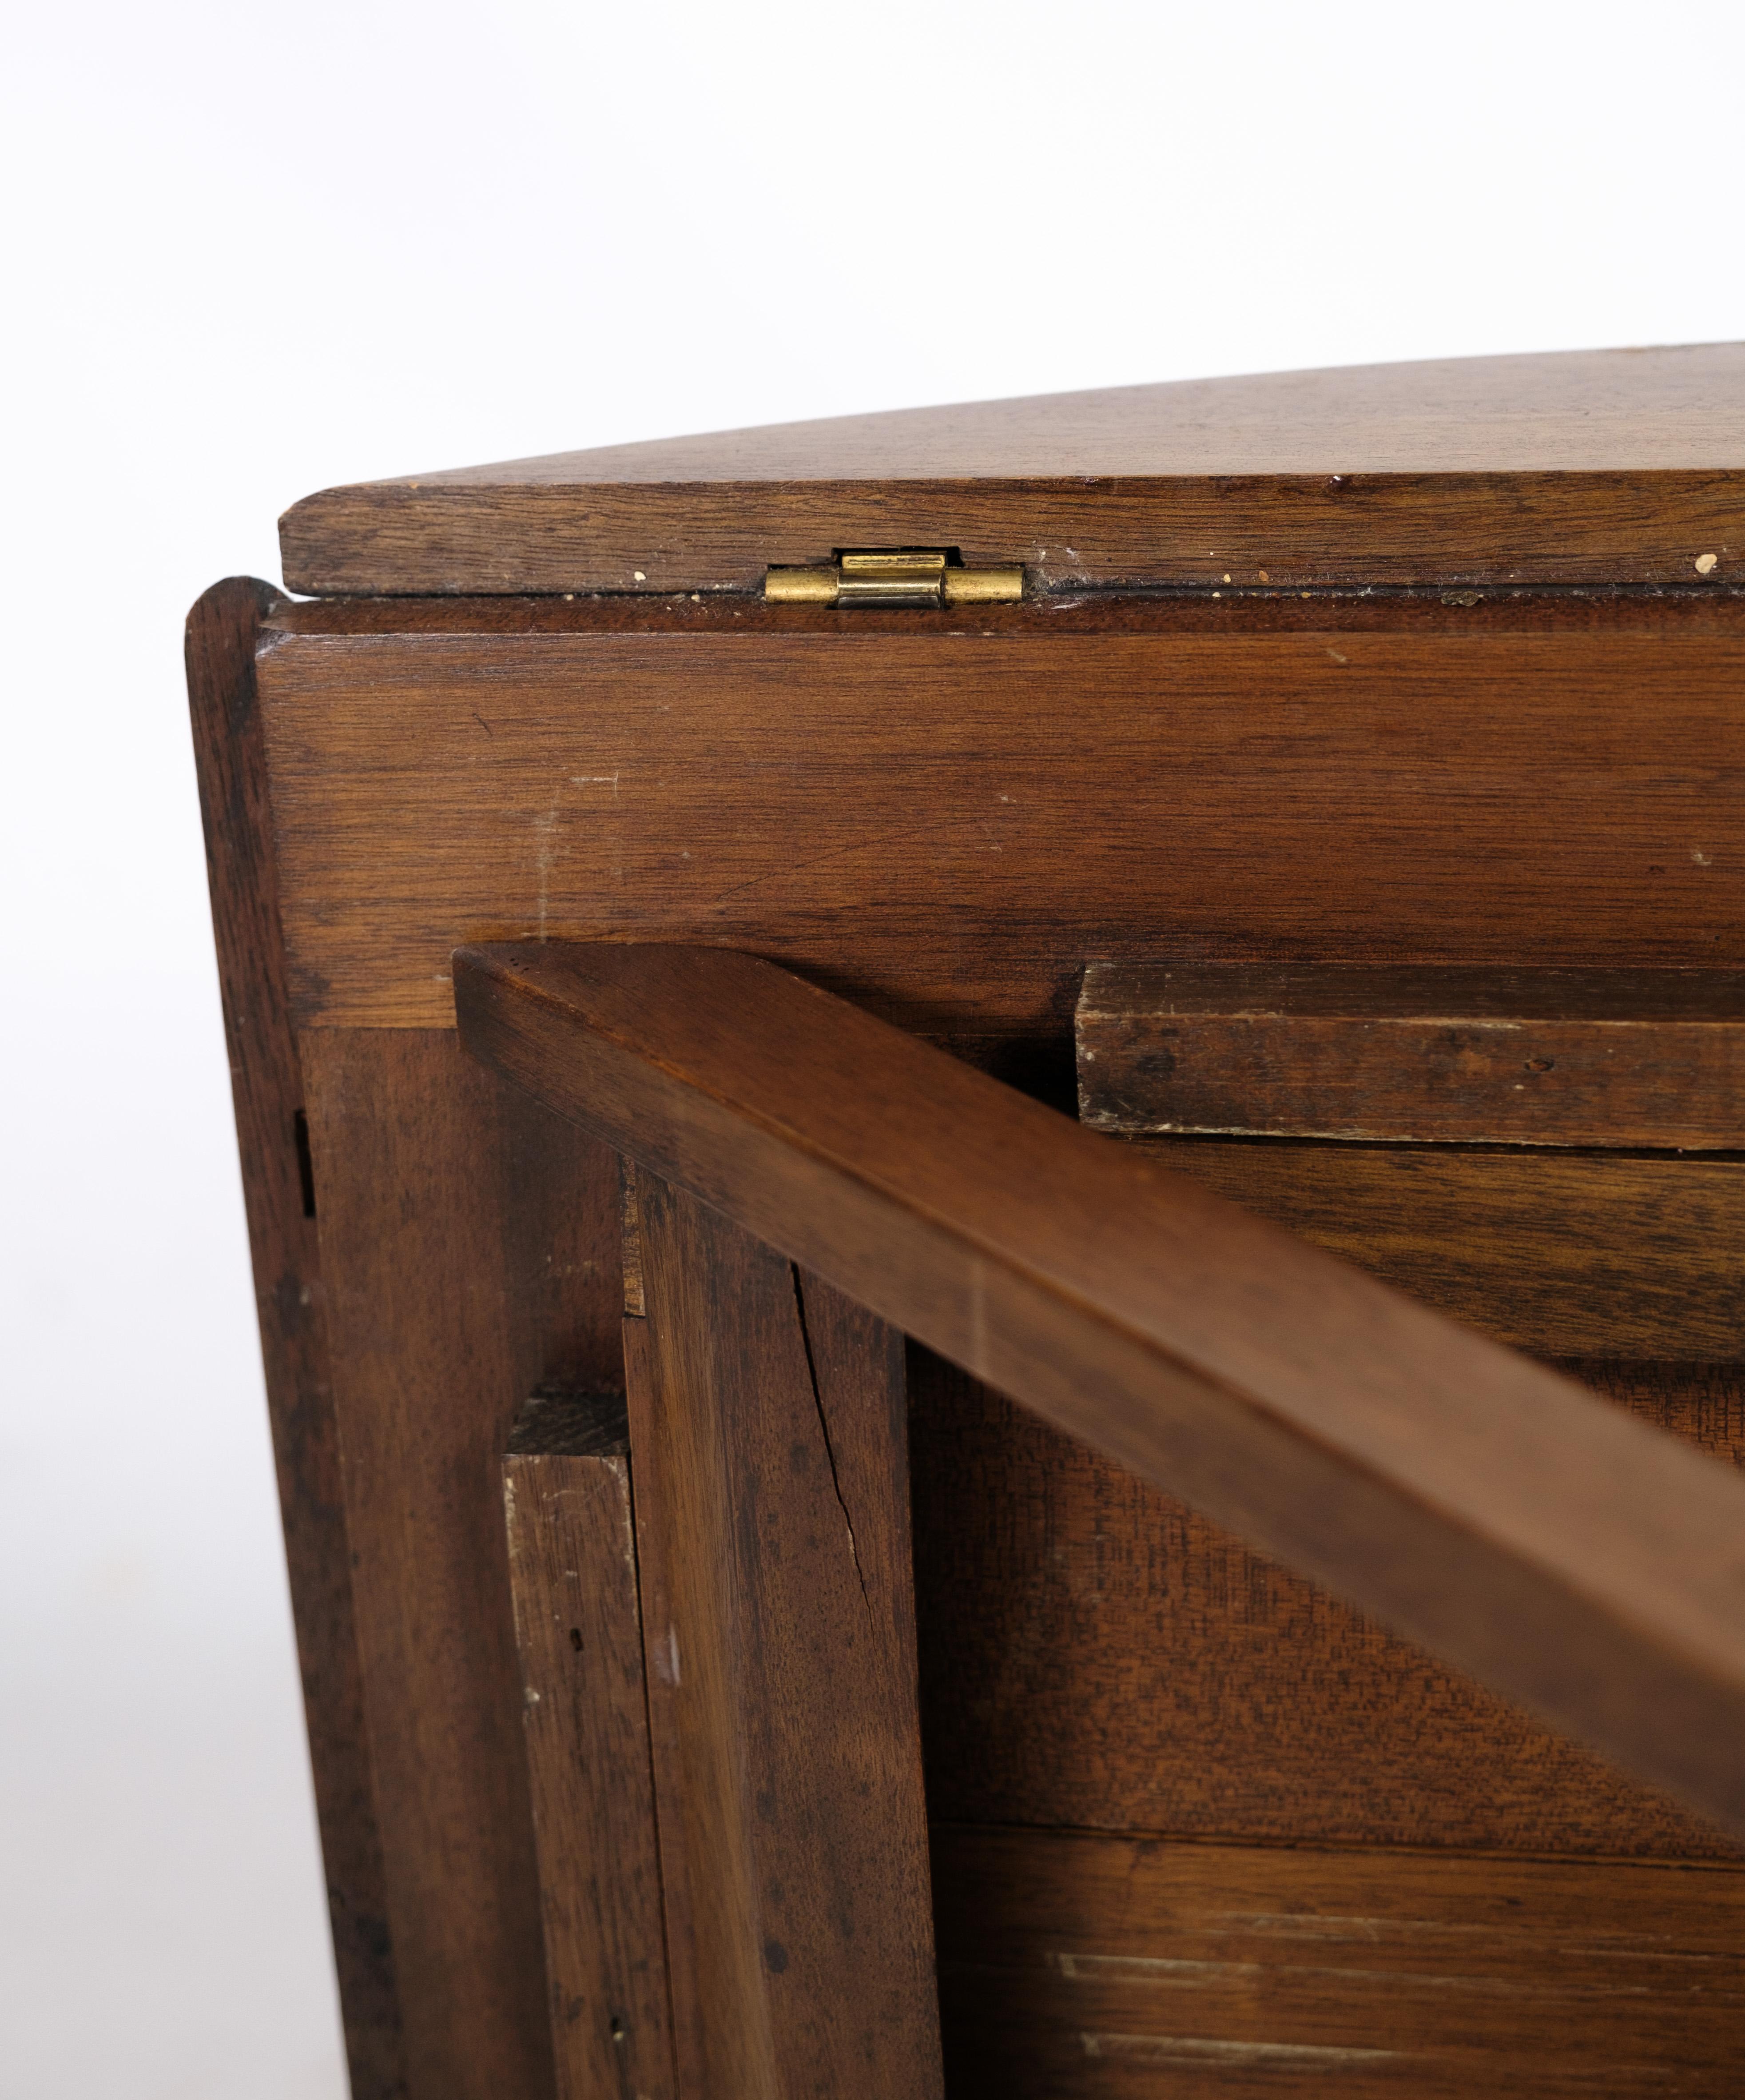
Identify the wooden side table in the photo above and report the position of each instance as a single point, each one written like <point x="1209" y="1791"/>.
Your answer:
<point x="818" y="1572"/>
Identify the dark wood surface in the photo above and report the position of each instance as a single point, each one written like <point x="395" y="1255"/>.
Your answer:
<point x="1559" y="1253"/>
<point x="1596" y="465"/>
<point x="1095" y="1655"/>
<point x="1564" y="1554"/>
<point x="584" y="1717"/>
<point x="267" y="1091"/>
<point x="1573" y="1057"/>
<point x="947" y="822"/>
<point x="1702" y="1403"/>
<point x="1075" y="1967"/>
<point x="766" y="1420"/>
<point x="468" y="1245"/>
<point x="571" y="1422"/>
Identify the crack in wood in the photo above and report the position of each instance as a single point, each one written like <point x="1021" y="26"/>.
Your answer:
<point x="829" y="1452"/>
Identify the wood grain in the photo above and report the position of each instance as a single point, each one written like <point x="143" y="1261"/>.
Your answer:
<point x="946" y="823"/>
<point x="584" y="1716"/>
<point x="1561" y="1553"/>
<point x="1086" y="1968"/>
<point x="1619" y="465"/>
<point x="767" y="1415"/>
<point x="1702" y="1403"/>
<point x="267" y="1091"/>
<point x="468" y="1245"/>
<point x="1562" y="1254"/>
<point x="1096" y="1655"/>
<point x="1571" y="1058"/>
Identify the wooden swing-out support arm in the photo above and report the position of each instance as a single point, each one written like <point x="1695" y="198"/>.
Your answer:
<point x="1567" y="1555"/>
<point x="810" y="1184"/>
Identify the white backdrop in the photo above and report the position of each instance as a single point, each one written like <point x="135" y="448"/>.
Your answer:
<point x="249" y="252"/>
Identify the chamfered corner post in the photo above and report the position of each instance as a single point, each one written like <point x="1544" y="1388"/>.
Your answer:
<point x="768" y="1422"/>
<point x="267" y="1086"/>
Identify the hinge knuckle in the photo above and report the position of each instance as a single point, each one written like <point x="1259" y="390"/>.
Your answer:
<point x="800" y="587"/>
<point x="893" y="577"/>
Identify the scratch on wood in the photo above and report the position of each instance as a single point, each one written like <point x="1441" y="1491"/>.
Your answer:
<point x="875" y="843"/>
<point x="627" y="1517"/>
<point x="1176" y="2048"/>
<point x="1146" y="1969"/>
<point x="1161" y="1972"/>
<point x="546" y="827"/>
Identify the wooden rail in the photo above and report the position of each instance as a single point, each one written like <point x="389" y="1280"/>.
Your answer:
<point x="1571" y="1557"/>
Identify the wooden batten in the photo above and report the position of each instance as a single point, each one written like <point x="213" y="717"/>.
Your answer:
<point x="579" y="1633"/>
<point x="1615" y="1058"/>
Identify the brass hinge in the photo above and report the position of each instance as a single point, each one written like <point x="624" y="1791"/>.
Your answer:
<point x="902" y="575"/>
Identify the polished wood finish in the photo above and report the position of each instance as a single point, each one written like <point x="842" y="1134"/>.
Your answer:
<point x="266" y="1088"/>
<point x="767" y="1418"/>
<point x="1702" y="1403"/>
<point x="1597" y="466"/>
<point x="945" y="821"/>
<point x="1562" y="1254"/>
<point x="1569" y="1057"/>
<point x="1562" y="1552"/>
<point x="1080" y="1967"/>
<point x="1433" y="666"/>
<point x="469" y="1246"/>
<point x="579" y="1633"/>
<point x="1098" y="1656"/>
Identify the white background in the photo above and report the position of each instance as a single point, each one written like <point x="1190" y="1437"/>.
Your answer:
<point x="251" y="252"/>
